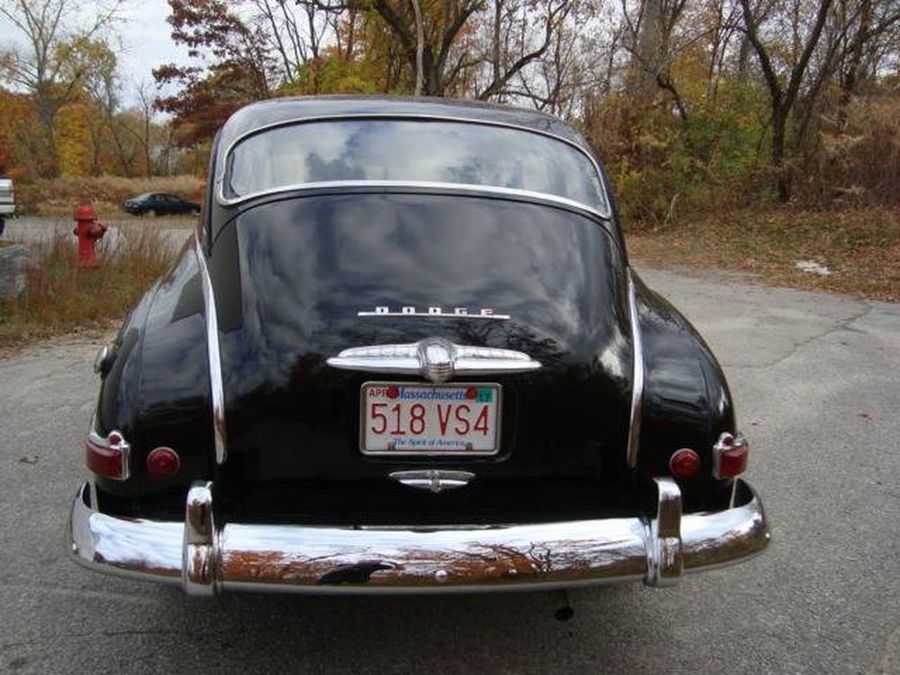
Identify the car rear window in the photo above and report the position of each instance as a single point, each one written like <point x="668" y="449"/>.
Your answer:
<point x="411" y="150"/>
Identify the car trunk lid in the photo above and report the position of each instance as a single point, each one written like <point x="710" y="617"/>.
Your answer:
<point x="300" y="281"/>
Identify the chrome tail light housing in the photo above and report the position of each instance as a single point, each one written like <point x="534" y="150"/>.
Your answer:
<point x="107" y="457"/>
<point x="730" y="455"/>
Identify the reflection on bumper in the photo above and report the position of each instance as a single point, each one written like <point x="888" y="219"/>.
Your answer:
<point x="204" y="558"/>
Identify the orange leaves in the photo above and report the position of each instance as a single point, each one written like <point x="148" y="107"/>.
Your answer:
<point x="16" y="116"/>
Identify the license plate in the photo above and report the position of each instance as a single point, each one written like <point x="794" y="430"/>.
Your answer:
<point x="399" y="418"/>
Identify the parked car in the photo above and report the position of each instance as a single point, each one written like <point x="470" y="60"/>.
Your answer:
<point x="406" y="351"/>
<point x="159" y="204"/>
<point x="7" y="201"/>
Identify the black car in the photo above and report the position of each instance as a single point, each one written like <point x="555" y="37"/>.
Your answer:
<point x="406" y="352"/>
<point x="159" y="204"/>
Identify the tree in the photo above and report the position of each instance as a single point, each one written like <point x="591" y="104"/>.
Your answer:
<point x="238" y="57"/>
<point x="440" y="28"/>
<point x="17" y="121"/>
<point x="652" y="33"/>
<point x="146" y="103"/>
<point x="74" y="137"/>
<point x="45" y="69"/>
<point x="522" y="33"/>
<point x="865" y="44"/>
<point x="783" y="95"/>
<point x="555" y="81"/>
<point x="93" y="63"/>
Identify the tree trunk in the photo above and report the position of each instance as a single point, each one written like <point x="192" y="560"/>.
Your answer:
<point x="744" y="57"/>
<point x="431" y="75"/>
<point x="420" y="48"/>
<point x="782" y="173"/>
<point x="47" y="116"/>
<point x="647" y="60"/>
<point x="848" y="78"/>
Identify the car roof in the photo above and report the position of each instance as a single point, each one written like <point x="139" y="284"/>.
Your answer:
<point x="282" y="110"/>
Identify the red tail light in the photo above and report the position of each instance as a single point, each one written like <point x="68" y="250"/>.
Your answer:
<point x="163" y="462"/>
<point x="684" y="463"/>
<point x="730" y="456"/>
<point x="107" y="457"/>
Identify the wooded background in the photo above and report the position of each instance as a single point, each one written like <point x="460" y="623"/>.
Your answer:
<point x="692" y="104"/>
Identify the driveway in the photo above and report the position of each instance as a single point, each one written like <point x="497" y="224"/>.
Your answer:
<point x="816" y="382"/>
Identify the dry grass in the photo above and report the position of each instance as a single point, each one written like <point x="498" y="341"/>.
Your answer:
<point x="59" y="196"/>
<point x="861" y="246"/>
<point x="60" y="298"/>
<point x="859" y="164"/>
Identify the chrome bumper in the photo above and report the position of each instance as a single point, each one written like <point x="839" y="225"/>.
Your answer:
<point x="204" y="558"/>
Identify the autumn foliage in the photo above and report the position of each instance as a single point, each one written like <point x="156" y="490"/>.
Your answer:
<point x="692" y="104"/>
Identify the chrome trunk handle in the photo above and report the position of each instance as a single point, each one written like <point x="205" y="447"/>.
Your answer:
<point x="434" y="480"/>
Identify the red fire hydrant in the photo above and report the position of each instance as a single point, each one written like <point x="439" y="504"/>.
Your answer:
<point x="89" y="231"/>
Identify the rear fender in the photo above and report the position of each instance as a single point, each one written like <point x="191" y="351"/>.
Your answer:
<point x="686" y="402"/>
<point x="156" y="391"/>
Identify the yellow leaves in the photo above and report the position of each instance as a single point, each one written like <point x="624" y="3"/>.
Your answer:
<point x="690" y="70"/>
<point x="332" y="74"/>
<point x="73" y="139"/>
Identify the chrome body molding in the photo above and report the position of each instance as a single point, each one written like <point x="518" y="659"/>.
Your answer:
<point x="435" y="358"/>
<point x="433" y="480"/>
<point x="637" y="386"/>
<point x="605" y="213"/>
<point x="203" y="556"/>
<point x="103" y="359"/>
<point x="216" y="387"/>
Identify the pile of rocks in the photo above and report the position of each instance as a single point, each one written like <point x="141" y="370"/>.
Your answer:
<point x="13" y="261"/>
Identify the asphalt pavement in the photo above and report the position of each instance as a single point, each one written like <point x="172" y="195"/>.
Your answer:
<point x="817" y="383"/>
<point x="38" y="229"/>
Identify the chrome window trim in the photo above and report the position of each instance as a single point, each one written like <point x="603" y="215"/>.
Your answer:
<point x="216" y="387"/>
<point x="605" y="212"/>
<point x="421" y="185"/>
<point x="637" y="388"/>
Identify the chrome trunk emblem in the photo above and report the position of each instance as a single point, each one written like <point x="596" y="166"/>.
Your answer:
<point x="433" y="312"/>
<point x="435" y="358"/>
<point x="435" y="480"/>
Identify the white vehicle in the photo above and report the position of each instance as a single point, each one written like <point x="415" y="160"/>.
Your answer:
<point x="7" y="200"/>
